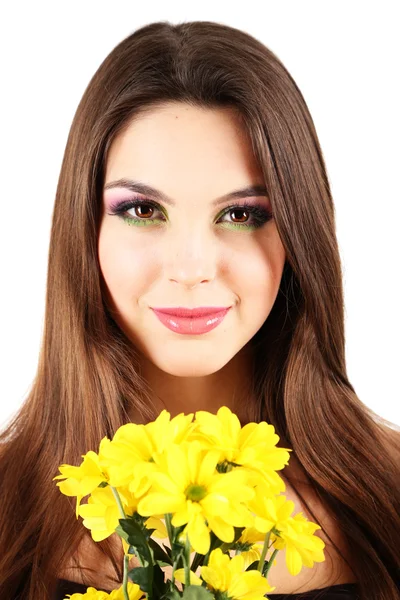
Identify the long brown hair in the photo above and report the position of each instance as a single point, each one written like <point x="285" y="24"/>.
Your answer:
<point x="88" y="377"/>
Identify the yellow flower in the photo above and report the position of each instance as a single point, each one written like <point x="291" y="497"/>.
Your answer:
<point x="302" y="547"/>
<point x="164" y="431"/>
<point x="189" y="486"/>
<point x="101" y="513"/>
<point x="130" y="457"/>
<point x="250" y="545"/>
<point x="296" y="533"/>
<point x="90" y="594"/>
<point x="227" y="575"/>
<point x="252" y="446"/>
<point x="160" y="530"/>
<point x="134" y="593"/>
<point x="273" y="511"/>
<point x="82" y="480"/>
<point x="180" y="576"/>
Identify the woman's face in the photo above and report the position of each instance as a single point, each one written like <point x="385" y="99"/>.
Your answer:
<point x="191" y="248"/>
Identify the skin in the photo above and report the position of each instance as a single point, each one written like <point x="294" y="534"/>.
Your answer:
<point x="194" y="155"/>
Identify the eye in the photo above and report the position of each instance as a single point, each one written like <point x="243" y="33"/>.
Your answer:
<point x="143" y="209"/>
<point x="142" y="212"/>
<point x="251" y="216"/>
<point x="147" y="212"/>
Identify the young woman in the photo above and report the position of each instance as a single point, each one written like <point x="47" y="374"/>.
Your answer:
<point x="193" y="177"/>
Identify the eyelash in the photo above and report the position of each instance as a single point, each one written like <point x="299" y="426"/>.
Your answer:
<point x="259" y="214"/>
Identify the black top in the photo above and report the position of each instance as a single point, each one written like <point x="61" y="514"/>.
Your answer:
<point x="344" y="591"/>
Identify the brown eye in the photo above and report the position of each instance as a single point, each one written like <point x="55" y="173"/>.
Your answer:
<point x="146" y="212"/>
<point x="246" y="216"/>
<point x="240" y="212"/>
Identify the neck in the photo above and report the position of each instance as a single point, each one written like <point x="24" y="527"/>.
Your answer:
<point x="231" y="386"/>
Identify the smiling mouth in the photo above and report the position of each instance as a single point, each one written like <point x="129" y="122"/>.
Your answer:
<point x="192" y="324"/>
<point x="191" y="313"/>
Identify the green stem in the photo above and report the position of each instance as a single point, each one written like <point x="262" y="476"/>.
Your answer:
<point x="169" y="527"/>
<point x="172" y="586"/>
<point x="187" y="562"/>
<point x="170" y="537"/>
<point x="126" y="556"/>
<point x="271" y="561"/>
<point x="264" y="552"/>
<point x="118" y="501"/>
<point x="125" y="579"/>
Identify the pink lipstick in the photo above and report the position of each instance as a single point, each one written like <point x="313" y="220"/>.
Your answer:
<point x="191" y="321"/>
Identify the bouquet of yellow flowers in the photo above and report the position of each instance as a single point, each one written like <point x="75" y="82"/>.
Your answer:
<point x="209" y="486"/>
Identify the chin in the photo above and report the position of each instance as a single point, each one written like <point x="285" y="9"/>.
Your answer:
<point x="193" y="366"/>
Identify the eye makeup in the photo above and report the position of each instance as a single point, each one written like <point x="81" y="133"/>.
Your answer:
<point x="256" y="214"/>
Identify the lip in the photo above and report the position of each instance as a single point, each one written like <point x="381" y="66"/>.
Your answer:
<point x="190" y="313"/>
<point x="192" y="325"/>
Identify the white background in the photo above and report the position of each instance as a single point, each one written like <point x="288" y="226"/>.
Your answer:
<point x="343" y="55"/>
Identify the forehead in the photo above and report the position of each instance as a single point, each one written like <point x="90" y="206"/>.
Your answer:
<point x="196" y="142"/>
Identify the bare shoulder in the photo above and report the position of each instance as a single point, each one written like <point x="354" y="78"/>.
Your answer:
<point x="334" y="569"/>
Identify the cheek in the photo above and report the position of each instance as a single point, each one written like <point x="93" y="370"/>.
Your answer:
<point x="260" y="272"/>
<point x="127" y="265"/>
<point x="259" y="275"/>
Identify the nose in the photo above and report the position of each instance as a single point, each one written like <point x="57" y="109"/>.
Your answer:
<point x="190" y="259"/>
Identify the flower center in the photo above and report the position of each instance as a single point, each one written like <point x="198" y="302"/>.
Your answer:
<point x="222" y="595"/>
<point x="195" y="492"/>
<point x="244" y="546"/>
<point x="226" y="466"/>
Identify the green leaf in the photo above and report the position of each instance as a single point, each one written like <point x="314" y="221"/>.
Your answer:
<point x="133" y="550"/>
<point x="163" y="564"/>
<point x="167" y="550"/>
<point x="133" y="533"/>
<point x="177" y="548"/>
<point x="171" y="595"/>
<point x="196" y="592"/>
<point x="150" y="579"/>
<point x="225" y="546"/>
<point x="159" y="553"/>
<point x="143" y="577"/>
<point x="159" y="585"/>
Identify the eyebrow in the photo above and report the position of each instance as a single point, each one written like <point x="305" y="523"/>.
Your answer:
<point x="142" y="188"/>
